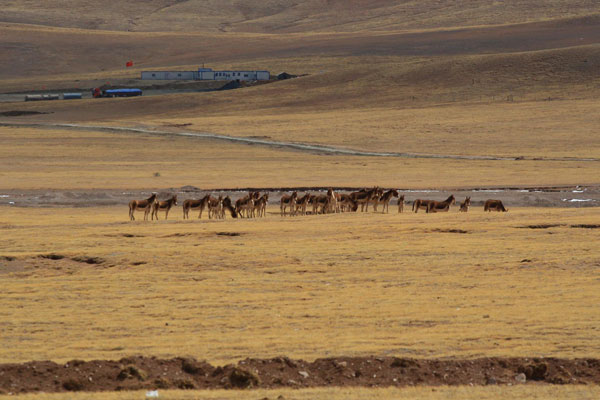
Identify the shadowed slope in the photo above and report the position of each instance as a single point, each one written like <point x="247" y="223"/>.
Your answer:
<point x="285" y="15"/>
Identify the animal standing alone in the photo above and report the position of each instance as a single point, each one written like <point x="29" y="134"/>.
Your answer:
<point x="464" y="206"/>
<point x="494" y="205"/>
<point x="400" y="204"/>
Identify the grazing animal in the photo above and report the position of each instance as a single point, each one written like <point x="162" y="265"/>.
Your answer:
<point x="494" y="205"/>
<point x="346" y="203"/>
<point x="163" y="206"/>
<point x="288" y="201"/>
<point x="191" y="204"/>
<point x="441" y="206"/>
<point x="400" y="204"/>
<point x="228" y="206"/>
<point x="464" y="206"/>
<point x="326" y="202"/>
<point x="385" y="200"/>
<point x="139" y="205"/>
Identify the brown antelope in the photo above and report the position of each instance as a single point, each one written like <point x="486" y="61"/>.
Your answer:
<point x="139" y="205"/>
<point x="215" y="208"/>
<point x="288" y="201"/>
<point x="301" y="204"/>
<point x="464" y="206"/>
<point x="195" y="205"/>
<point x="260" y="205"/>
<point x="494" y="205"/>
<point x="385" y="200"/>
<point x="363" y="197"/>
<point x="163" y="206"/>
<point x="228" y="206"/>
<point x="400" y="204"/>
<point x="441" y="206"/>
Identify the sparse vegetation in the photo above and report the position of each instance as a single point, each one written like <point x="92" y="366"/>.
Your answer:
<point x="381" y="76"/>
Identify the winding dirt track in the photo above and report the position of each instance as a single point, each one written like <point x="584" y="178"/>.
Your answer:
<point x="305" y="147"/>
<point x="139" y="372"/>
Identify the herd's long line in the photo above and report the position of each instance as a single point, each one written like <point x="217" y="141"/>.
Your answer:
<point x="312" y="148"/>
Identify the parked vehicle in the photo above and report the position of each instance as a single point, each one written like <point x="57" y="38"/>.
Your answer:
<point x="97" y="92"/>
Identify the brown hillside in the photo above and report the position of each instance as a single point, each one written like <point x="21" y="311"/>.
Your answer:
<point x="285" y="15"/>
<point x="390" y="82"/>
<point x="35" y="53"/>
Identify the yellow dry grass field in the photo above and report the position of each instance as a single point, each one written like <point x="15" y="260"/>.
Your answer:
<point x="69" y="159"/>
<point x="413" y="285"/>
<point x="438" y="393"/>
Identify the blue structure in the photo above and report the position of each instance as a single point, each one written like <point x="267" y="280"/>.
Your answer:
<point x="123" y="92"/>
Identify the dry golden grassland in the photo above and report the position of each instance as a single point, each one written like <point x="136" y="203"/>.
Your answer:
<point x="425" y="393"/>
<point x="68" y="159"/>
<point x="534" y="129"/>
<point x="305" y="287"/>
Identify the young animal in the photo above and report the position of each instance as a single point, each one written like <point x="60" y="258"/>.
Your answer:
<point x="464" y="206"/>
<point x="400" y="204"/>
<point x="163" y="206"/>
<point x="139" y="205"/>
<point x="494" y="205"/>
<point x="228" y="206"/>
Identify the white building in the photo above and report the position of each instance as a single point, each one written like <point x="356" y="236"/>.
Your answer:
<point x="205" y="74"/>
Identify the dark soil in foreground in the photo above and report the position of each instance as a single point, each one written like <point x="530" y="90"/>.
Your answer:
<point x="136" y="373"/>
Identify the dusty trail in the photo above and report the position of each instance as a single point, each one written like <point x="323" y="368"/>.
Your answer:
<point x="305" y="147"/>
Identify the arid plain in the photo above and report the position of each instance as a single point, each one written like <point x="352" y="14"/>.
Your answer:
<point x="409" y="95"/>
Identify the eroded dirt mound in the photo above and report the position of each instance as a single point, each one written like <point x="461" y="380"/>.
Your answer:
<point x="187" y="373"/>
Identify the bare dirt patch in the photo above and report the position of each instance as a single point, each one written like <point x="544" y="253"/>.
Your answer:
<point x="586" y="226"/>
<point x="88" y="259"/>
<point x="450" y="231"/>
<point x="17" y="113"/>
<point x="540" y="226"/>
<point x="136" y="373"/>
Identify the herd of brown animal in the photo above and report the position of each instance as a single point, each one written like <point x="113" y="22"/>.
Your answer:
<point x="254" y="205"/>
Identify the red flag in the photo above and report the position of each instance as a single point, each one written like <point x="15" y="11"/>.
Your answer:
<point x="129" y="64"/>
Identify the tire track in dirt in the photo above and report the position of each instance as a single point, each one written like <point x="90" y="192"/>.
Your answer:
<point x="305" y="147"/>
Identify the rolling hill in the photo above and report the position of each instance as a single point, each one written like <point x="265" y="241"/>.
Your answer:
<point x="279" y="16"/>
